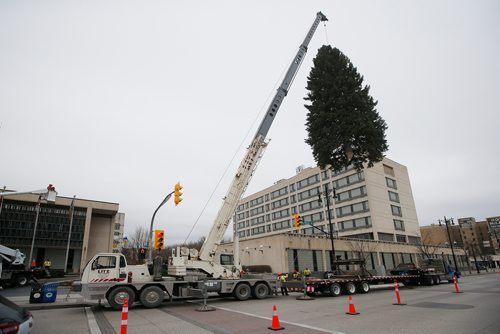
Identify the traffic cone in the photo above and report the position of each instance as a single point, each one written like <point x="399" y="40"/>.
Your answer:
<point x="456" y="284"/>
<point x="398" y="297"/>
<point x="276" y="321"/>
<point x="352" y="308"/>
<point x="123" y="329"/>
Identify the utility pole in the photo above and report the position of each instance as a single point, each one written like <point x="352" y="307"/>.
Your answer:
<point x="326" y="194"/>
<point x="447" y="222"/>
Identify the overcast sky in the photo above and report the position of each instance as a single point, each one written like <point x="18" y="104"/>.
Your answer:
<point x="118" y="100"/>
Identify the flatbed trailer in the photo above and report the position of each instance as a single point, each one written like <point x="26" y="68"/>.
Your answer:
<point x="344" y="284"/>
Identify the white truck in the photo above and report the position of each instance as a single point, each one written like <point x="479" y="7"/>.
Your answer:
<point x="12" y="267"/>
<point x="108" y="277"/>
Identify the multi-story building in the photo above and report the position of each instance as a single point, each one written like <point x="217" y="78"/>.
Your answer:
<point x="477" y="239"/>
<point x="375" y="203"/>
<point x="94" y="227"/>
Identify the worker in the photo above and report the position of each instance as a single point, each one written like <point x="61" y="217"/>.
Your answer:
<point x="284" y="289"/>
<point x="296" y="275"/>
<point x="307" y="272"/>
<point x="47" y="264"/>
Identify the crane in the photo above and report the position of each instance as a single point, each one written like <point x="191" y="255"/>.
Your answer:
<point x="204" y="261"/>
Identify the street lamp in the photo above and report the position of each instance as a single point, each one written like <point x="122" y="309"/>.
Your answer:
<point x="447" y="223"/>
<point x="326" y="194"/>
<point x="150" y="253"/>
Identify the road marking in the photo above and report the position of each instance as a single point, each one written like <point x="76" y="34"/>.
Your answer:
<point x="285" y="322"/>
<point x="93" y="326"/>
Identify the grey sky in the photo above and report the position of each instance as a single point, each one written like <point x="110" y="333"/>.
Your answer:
<point x="118" y="100"/>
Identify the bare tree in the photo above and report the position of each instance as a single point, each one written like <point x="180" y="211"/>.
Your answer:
<point x="427" y="250"/>
<point x="139" y="238"/>
<point x="362" y="248"/>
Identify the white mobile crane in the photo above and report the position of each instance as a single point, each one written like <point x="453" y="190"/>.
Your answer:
<point x="12" y="268"/>
<point x="107" y="276"/>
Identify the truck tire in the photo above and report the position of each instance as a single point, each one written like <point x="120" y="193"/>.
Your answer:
<point x="152" y="296"/>
<point x="117" y="296"/>
<point x="364" y="287"/>
<point x="427" y="280"/>
<point x="260" y="291"/>
<point x="242" y="291"/>
<point x="435" y="280"/>
<point x="350" y="288"/>
<point x="335" y="290"/>
<point x="21" y="280"/>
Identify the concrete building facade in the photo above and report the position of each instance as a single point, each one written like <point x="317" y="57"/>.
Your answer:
<point x="375" y="203"/>
<point x="95" y="227"/>
<point x="286" y="252"/>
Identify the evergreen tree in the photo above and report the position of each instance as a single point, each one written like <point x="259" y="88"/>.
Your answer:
<point x="343" y="125"/>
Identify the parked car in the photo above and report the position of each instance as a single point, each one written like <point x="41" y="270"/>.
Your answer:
<point x="14" y="319"/>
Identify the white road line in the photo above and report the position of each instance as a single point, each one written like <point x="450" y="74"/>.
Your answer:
<point x="285" y="322"/>
<point x="93" y="326"/>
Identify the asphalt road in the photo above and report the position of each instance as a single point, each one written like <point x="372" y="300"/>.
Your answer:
<point x="435" y="309"/>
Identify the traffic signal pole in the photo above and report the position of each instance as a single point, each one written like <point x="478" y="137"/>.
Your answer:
<point x="150" y="249"/>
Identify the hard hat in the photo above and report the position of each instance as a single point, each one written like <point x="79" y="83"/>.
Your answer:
<point x="279" y="274"/>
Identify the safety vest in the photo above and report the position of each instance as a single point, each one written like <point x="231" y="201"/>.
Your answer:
<point x="296" y="275"/>
<point x="47" y="263"/>
<point x="307" y="272"/>
<point x="283" y="278"/>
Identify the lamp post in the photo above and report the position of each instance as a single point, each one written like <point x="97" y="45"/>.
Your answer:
<point x="326" y="194"/>
<point x="447" y="223"/>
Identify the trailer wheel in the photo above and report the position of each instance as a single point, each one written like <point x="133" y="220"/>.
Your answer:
<point x="152" y="296"/>
<point x="260" y="291"/>
<point x="335" y="290"/>
<point x="242" y="291"/>
<point x="427" y="280"/>
<point x="21" y="280"/>
<point x="350" y="288"/>
<point x="117" y="296"/>
<point x="435" y="280"/>
<point x="364" y="287"/>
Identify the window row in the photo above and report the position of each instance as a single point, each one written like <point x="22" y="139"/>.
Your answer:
<point x="348" y="180"/>
<point x="351" y="194"/>
<point x="352" y="209"/>
<point x="351" y="224"/>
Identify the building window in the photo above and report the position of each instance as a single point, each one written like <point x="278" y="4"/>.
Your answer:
<point x="350" y="224"/>
<point x="414" y="240"/>
<point x="399" y="225"/>
<point x="279" y="203"/>
<point x="281" y="225"/>
<point x="394" y="197"/>
<point x="351" y="194"/>
<point x="389" y="170"/>
<point x="391" y="183"/>
<point x="280" y="214"/>
<point x="258" y="230"/>
<point x="325" y="175"/>
<point x="385" y="236"/>
<point x="279" y="192"/>
<point x="307" y="182"/>
<point x="396" y="210"/>
<point x="256" y="211"/>
<point x="400" y="238"/>
<point x="352" y="209"/>
<point x="257" y="220"/>
<point x="308" y="194"/>
<point x="256" y="201"/>
<point x="348" y="180"/>
<point x="241" y="234"/>
<point x="309" y="206"/>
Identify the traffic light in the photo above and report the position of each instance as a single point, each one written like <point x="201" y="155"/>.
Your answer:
<point x="177" y="193"/>
<point x="159" y="239"/>
<point x="297" y="221"/>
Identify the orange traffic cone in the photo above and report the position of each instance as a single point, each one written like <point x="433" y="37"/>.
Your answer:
<point x="276" y="321"/>
<point x="352" y="308"/>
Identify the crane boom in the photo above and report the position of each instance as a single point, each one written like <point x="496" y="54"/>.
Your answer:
<point x="248" y="165"/>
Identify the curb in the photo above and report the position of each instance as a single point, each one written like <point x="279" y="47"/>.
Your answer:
<point x="36" y="307"/>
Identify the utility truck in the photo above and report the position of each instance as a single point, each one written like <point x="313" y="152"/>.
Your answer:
<point x="12" y="267"/>
<point x="109" y="277"/>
